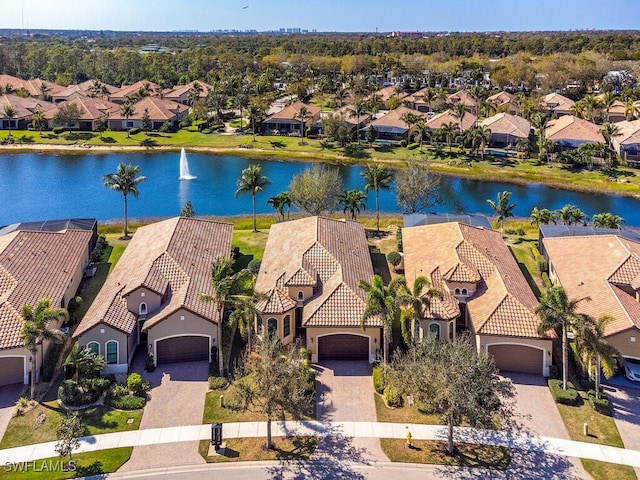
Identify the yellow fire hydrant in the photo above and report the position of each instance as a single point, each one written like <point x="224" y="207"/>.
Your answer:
<point x="408" y="444"/>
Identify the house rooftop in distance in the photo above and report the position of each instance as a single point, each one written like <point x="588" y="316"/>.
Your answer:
<point x="553" y="231"/>
<point x="417" y="219"/>
<point x="52" y="225"/>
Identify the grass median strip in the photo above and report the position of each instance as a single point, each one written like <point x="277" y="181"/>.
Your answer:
<point x="246" y="449"/>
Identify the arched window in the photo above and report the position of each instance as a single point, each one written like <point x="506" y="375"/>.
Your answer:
<point x="286" y="327"/>
<point x="464" y="291"/>
<point x="112" y="352"/>
<point x="457" y="291"/>
<point x="451" y="330"/>
<point x="94" y="347"/>
<point x="259" y="325"/>
<point x="434" y="329"/>
<point x="143" y="308"/>
<point x="300" y="295"/>
<point x="272" y="326"/>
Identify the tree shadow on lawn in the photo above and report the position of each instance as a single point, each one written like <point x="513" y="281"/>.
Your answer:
<point x="108" y="140"/>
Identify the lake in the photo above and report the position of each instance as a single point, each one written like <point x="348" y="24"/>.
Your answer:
<point x="41" y="186"/>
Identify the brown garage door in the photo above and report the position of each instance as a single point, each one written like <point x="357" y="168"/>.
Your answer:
<point x="517" y="358"/>
<point x="183" y="349"/>
<point x="11" y="370"/>
<point x="343" y="347"/>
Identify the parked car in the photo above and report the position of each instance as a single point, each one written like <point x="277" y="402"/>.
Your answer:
<point x="632" y="369"/>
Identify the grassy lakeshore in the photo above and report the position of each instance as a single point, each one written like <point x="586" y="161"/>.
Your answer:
<point x="455" y="163"/>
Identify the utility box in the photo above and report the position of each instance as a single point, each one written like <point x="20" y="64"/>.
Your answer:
<point x="216" y="435"/>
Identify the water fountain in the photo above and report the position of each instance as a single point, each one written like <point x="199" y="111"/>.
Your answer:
<point x="184" y="167"/>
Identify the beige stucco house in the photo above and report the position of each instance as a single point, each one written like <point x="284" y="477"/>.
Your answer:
<point x="310" y="273"/>
<point x="152" y="297"/>
<point x="605" y="268"/>
<point x="484" y="292"/>
<point x="35" y="264"/>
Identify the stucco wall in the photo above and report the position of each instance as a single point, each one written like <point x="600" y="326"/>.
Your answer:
<point x="102" y="334"/>
<point x="293" y="293"/>
<point x="446" y="326"/>
<point x="26" y="355"/>
<point x="140" y="295"/>
<point x="76" y="278"/>
<point x="314" y="332"/>
<point x="280" y="318"/>
<point x="484" y="341"/>
<point x="624" y="343"/>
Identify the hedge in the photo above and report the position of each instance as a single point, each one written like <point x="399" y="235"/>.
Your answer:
<point x="392" y="396"/>
<point x="570" y="396"/>
<point x="217" y="383"/>
<point x="378" y="380"/>
<point x="127" y="402"/>
<point x="600" y="405"/>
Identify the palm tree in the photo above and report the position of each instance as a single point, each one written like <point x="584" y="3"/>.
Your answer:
<point x="381" y="303"/>
<point x="303" y="115"/>
<point x="278" y="205"/>
<point x="558" y="313"/>
<point x="610" y="131"/>
<point x="421" y="130"/>
<point x="479" y="137"/>
<point x="44" y="91"/>
<point x="359" y="108"/>
<point x="252" y="181"/>
<point x="353" y="201"/>
<point x="377" y="178"/>
<point x="502" y="207"/>
<point x="240" y="101"/>
<point x="218" y="102"/>
<point x="523" y="145"/>
<point x="84" y="360"/>
<point x="38" y="120"/>
<point x="590" y="343"/>
<point x="429" y="96"/>
<point x="542" y="216"/>
<point x="36" y="329"/>
<point x="607" y="220"/>
<point x="449" y="130"/>
<point x="127" y="110"/>
<point x="9" y="113"/>
<point x="415" y="301"/>
<point x="228" y="288"/>
<point x="254" y="113"/>
<point x="459" y="111"/>
<point x="570" y="214"/>
<point x="630" y="109"/>
<point x="126" y="181"/>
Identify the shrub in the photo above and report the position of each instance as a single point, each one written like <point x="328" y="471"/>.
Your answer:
<point x="392" y="396"/>
<point x="165" y="127"/>
<point x="76" y="395"/>
<point x="569" y="396"/>
<point x="545" y="279"/>
<point x="378" y="379"/>
<point x="98" y="250"/>
<point x="254" y="266"/>
<point x="59" y="130"/>
<point x="554" y="371"/>
<point x="134" y="382"/>
<point x="21" y="404"/>
<point x="134" y="131"/>
<point x="514" y="231"/>
<point x="206" y="131"/>
<point x="394" y="258"/>
<point x="399" y="239"/>
<point x="127" y="402"/>
<point x="403" y="143"/>
<point x="412" y="146"/>
<point x="118" y="390"/>
<point x="309" y="377"/>
<point x="534" y="250"/>
<point x="217" y="383"/>
<point x="600" y="405"/>
<point x="542" y="264"/>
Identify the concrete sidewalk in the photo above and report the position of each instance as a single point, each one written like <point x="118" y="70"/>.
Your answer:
<point x="514" y="440"/>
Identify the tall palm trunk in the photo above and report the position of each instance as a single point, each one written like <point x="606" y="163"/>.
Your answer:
<point x="126" y="218"/>
<point x="220" y="357"/>
<point x="564" y="358"/>
<point x="598" y="367"/>
<point x="255" y="228"/>
<point x="34" y="355"/>
<point x="378" y="209"/>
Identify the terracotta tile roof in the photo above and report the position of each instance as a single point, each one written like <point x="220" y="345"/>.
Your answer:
<point x="159" y="110"/>
<point x="33" y="266"/>
<point x="445" y="308"/>
<point x="179" y="92"/>
<point x="25" y="107"/>
<point x="335" y="252"/>
<point x="394" y="118"/>
<point x="292" y="111"/>
<point x="461" y="273"/>
<point x="468" y="121"/>
<point x="557" y="103"/>
<point x="503" y="303"/>
<point x="302" y="278"/>
<point x="594" y="266"/>
<point x="570" y="127"/>
<point x="31" y="86"/>
<point x="462" y="96"/>
<point x="175" y="256"/>
<point x="87" y="86"/>
<point x="417" y="97"/>
<point x="346" y="113"/>
<point x="276" y="301"/>
<point x="130" y="90"/>
<point x="629" y="132"/>
<point x="384" y="94"/>
<point x="90" y="108"/>
<point x="501" y="98"/>
<point x="505" y="123"/>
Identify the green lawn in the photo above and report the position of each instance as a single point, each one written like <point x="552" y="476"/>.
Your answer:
<point x="252" y="449"/>
<point x="251" y="244"/>
<point x="405" y="414"/>
<point x="434" y="452"/>
<point x="88" y="464"/>
<point x="213" y="413"/>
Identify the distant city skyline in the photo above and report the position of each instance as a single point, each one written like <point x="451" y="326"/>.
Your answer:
<point x="323" y="16"/>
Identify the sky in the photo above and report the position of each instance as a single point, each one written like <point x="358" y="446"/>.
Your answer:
<point x="322" y="15"/>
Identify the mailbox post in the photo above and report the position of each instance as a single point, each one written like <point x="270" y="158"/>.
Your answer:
<point x="216" y="435"/>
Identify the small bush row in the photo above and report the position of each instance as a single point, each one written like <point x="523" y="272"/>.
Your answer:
<point x="217" y="383"/>
<point x="88" y="391"/>
<point x="378" y="380"/>
<point x="600" y="405"/>
<point x="392" y="396"/>
<point x="570" y="396"/>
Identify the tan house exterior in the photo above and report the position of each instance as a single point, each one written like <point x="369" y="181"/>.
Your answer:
<point x="159" y="111"/>
<point x="506" y="129"/>
<point x="556" y="105"/>
<point x="605" y="268"/>
<point x="392" y="126"/>
<point x="437" y="121"/>
<point x="483" y="292"/>
<point x="182" y="93"/>
<point x="570" y="131"/>
<point x="288" y="122"/>
<point x="310" y="273"/>
<point x="627" y="143"/>
<point x="35" y="265"/>
<point x="504" y="102"/>
<point x="152" y="297"/>
<point x="32" y="87"/>
<point x="92" y="110"/>
<point x="463" y="96"/>
<point x="130" y="92"/>
<point x="24" y="108"/>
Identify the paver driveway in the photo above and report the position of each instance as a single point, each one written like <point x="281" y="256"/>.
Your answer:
<point x="8" y="397"/>
<point x="176" y="399"/>
<point x="625" y="406"/>
<point x="344" y="392"/>
<point x="536" y="412"/>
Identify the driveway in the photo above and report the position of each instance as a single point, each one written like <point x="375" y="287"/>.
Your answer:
<point x="535" y="412"/>
<point x="176" y="399"/>
<point x="625" y="406"/>
<point x="344" y="392"/>
<point x="8" y="397"/>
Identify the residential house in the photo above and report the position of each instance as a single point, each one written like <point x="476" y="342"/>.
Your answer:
<point x="570" y="131"/>
<point x="24" y="107"/>
<point x="463" y="96"/>
<point x="69" y="93"/>
<point x="392" y="125"/>
<point x="385" y="94"/>
<point x="158" y="109"/>
<point x="90" y="88"/>
<point x="288" y="122"/>
<point x="132" y="93"/>
<point x="616" y="112"/>
<point x="92" y="110"/>
<point x="310" y="272"/>
<point x="556" y="105"/>
<point x="416" y="101"/>
<point x="437" y="121"/>
<point x="152" y="296"/>
<point x="182" y="93"/>
<point x="627" y="142"/>
<point x="605" y="267"/>
<point x="33" y="88"/>
<point x="504" y="102"/>
<point x="506" y="129"/>
<point x="37" y="262"/>
<point x="483" y="292"/>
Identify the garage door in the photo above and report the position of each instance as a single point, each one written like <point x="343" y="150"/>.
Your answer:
<point x="11" y="370"/>
<point x="343" y="347"/>
<point x="183" y="349"/>
<point x="517" y="358"/>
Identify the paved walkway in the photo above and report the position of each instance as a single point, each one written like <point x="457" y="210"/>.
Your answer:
<point x="156" y="436"/>
<point x="625" y="407"/>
